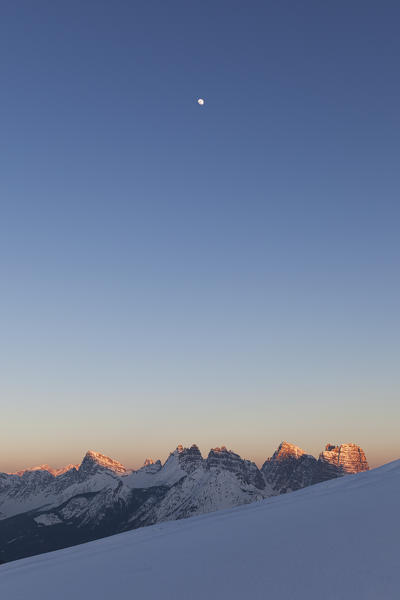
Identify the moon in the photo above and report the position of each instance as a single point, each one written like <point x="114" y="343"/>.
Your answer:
<point x="200" y="101"/>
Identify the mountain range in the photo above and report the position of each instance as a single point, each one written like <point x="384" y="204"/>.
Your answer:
<point x="337" y="540"/>
<point x="43" y="509"/>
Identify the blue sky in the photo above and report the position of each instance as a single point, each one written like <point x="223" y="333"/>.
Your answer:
<point x="226" y="274"/>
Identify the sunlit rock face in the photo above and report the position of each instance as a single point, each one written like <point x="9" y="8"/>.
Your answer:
<point x="46" y="467"/>
<point x="290" y="468"/>
<point x="245" y="470"/>
<point x="93" y="461"/>
<point x="345" y="459"/>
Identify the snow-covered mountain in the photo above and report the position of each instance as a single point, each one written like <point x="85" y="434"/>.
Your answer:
<point x="37" y="487"/>
<point x="291" y="468"/>
<point x="42" y="510"/>
<point x="337" y="540"/>
<point x="46" y="467"/>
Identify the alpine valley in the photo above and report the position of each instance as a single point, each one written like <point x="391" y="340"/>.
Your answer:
<point x="42" y="509"/>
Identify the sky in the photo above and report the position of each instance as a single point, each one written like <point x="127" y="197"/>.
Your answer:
<point x="219" y="274"/>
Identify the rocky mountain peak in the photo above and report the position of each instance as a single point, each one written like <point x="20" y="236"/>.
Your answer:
<point x="151" y="466"/>
<point x="289" y="468"/>
<point x="190" y="459"/>
<point x="93" y="461"/>
<point x="47" y="468"/>
<point x="286" y="450"/>
<point x="219" y="455"/>
<point x="343" y="459"/>
<point x="220" y="449"/>
<point x="247" y="471"/>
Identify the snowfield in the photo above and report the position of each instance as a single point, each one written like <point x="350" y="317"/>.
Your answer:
<point x="337" y="540"/>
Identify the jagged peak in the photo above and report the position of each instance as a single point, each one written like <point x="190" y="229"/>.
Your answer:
<point x="97" y="459"/>
<point x="150" y="466"/>
<point x="94" y="454"/>
<point x="329" y="447"/>
<point x="223" y="451"/>
<point x="62" y="470"/>
<point x="219" y="449"/>
<point x="189" y="459"/>
<point x="246" y="470"/>
<point x="47" y="468"/>
<point x="286" y="449"/>
<point x="347" y="458"/>
<point x="180" y="449"/>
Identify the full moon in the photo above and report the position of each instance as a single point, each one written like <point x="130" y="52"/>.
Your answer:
<point x="200" y="101"/>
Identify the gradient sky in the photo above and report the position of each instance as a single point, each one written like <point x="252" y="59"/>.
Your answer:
<point x="170" y="273"/>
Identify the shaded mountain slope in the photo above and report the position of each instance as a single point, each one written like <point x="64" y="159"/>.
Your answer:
<point x="337" y="539"/>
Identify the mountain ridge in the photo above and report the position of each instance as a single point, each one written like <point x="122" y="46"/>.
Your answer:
<point x="337" y="539"/>
<point x="60" y="470"/>
<point x="41" y="511"/>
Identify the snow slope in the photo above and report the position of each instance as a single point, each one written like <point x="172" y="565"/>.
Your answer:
<point x="337" y="540"/>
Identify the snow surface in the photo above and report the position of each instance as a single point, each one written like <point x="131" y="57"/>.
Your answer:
<point x="337" y="540"/>
<point x="170" y="473"/>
